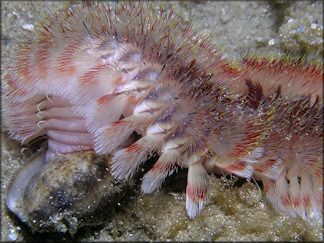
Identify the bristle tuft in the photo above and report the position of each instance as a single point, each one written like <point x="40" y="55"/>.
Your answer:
<point x="111" y="136"/>
<point x="196" y="189"/>
<point x="165" y="166"/>
<point x="126" y="161"/>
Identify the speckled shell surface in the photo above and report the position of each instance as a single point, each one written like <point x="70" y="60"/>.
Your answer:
<point x="68" y="192"/>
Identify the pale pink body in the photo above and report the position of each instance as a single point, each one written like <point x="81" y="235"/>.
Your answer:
<point x="91" y="84"/>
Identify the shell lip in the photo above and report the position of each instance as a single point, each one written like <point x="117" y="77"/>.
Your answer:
<point x="16" y="189"/>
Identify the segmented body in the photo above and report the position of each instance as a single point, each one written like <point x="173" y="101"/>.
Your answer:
<point x="93" y="76"/>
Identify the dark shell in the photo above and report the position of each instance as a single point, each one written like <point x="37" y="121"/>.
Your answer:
<point x="66" y="193"/>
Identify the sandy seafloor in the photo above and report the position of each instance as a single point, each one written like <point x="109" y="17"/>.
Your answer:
<point x="236" y="211"/>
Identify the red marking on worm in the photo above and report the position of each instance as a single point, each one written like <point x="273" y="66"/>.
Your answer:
<point x="161" y="166"/>
<point x="65" y="60"/>
<point x="268" y="164"/>
<point x="237" y="166"/>
<point x="285" y="199"/>
<point x="134" y="148"/>
<point x="89" y="78"/>
<point x="306" y="200"/>
<point x="195" y="192"/>
<point x="296" y="202"/>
